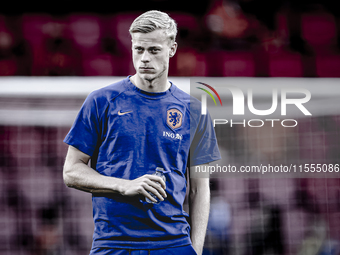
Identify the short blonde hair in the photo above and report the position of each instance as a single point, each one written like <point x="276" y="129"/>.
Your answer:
<point x="152" y="20"/>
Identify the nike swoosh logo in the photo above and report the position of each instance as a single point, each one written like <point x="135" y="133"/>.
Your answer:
<point x="122" y="113"/>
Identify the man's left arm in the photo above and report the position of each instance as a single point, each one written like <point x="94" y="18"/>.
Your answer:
<point x="199" y="206"/>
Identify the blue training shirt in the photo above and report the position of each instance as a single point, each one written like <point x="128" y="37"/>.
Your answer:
<point x="128" y="133"/>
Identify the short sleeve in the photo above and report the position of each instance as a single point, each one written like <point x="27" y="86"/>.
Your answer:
<point x="204" y="147"/>
<point x="85" y="131"/>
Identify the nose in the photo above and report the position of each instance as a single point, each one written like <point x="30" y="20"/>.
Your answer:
<point x="145" y="56"/>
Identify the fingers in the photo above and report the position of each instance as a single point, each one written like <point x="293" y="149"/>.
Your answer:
<point x="143" y="185"/>
<point x="147" y="195"/>
<point x="156" y="186"/>
<point x="157" y="190"/>
<point x="156" y="179"/>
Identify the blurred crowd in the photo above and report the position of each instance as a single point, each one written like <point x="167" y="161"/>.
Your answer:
<point x="252" y="38"/>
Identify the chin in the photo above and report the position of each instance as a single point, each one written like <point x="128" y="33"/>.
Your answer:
<point x="147" y="76"/>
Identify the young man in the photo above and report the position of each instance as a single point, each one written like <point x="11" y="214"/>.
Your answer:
<point x="130" y="128"/>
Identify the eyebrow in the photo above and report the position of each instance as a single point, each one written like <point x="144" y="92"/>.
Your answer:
<point x="149" y="48"/>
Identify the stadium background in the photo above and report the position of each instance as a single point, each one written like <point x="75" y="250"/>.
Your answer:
<point x="240" y="38"/>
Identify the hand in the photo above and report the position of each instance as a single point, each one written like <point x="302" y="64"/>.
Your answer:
<point x="142" y="185"/>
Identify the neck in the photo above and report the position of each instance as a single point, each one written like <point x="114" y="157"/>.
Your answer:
<point x="160" y="84"/>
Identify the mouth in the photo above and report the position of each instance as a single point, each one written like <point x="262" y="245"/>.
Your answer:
<point x="146" y="68"/>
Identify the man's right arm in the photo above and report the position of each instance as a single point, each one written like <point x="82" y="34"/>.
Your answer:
<point x="77" y="174"/>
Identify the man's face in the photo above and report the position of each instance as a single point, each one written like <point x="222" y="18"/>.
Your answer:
<point x="151" y="52"/>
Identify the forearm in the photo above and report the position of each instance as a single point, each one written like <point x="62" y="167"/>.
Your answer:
<point x="77" y="174"/>
<point x="81" y="176"/>
<point x="199" y="214"/>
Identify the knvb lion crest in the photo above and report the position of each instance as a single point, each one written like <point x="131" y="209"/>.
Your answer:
<point x="174" y="118"/>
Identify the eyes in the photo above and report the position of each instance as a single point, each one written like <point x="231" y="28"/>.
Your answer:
<point x="152" y="50"/>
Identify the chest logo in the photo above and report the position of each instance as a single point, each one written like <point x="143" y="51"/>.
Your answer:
<point x="174" y="118"/>
<point x="122" y="113"/>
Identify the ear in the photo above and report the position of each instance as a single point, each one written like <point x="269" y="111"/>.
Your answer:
<point x="173" y="49"/>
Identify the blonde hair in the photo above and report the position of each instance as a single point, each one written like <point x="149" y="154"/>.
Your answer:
<point x="152" y="20"/>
